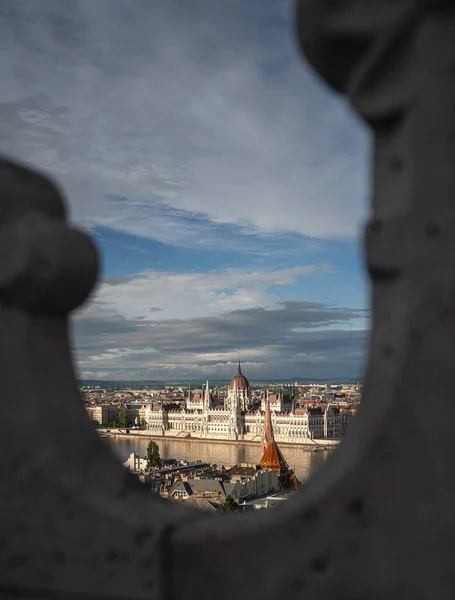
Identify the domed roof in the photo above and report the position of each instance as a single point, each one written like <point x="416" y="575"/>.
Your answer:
<point x="239" y="381"/>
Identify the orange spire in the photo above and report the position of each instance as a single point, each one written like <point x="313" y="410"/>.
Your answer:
<point x="268" y="427"/>
<point x="272" y="457"/>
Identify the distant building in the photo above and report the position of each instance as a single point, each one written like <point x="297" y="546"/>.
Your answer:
<point x="206" y="420"/>
<point x="202" y="503"/>
<point x="135" y="413"/>
<point x="239" y="419"/>
<point x="135" y="462"/>
<point x="103" y="414"/>
<point x="347" y="416"/>
<point x="239" y="391"/>
<point x="195" y="399"/>
<point x="180" y="491"/>
<point x="259" y="482"/>
<point x="279" y="402"/>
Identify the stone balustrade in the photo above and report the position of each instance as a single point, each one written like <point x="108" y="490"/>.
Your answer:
<point x="377" y="521"/>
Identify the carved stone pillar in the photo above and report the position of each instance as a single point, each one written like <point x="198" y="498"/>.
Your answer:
<point x="72" y="519"/>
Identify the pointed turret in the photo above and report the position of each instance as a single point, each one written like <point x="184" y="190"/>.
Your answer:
<point x="272" y="457"/>
<point x="235" y="397"/>
<point x="207" y="397"/>
<point x="267" y="430"/>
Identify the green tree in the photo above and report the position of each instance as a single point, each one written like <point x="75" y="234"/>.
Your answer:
<point x="153" y="455"/>
<point x="229" y="505"/>
<point x="122" y="419"/>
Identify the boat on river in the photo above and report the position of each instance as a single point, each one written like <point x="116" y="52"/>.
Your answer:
<point x="319" y="449"/>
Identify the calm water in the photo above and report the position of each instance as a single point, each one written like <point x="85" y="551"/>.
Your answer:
<point x="302" y="461"/>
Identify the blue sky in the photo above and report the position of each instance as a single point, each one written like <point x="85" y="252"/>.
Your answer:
<point x="225" y="185"/>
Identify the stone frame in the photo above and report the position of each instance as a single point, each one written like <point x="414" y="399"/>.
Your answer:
<point x="376" y="521"/>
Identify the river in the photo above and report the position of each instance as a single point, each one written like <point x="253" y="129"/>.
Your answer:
<point x="302" y="461"/>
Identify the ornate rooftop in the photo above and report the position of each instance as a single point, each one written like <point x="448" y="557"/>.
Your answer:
<point x="239" y="381"/>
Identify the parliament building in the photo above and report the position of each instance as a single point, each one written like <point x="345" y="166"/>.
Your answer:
<point x="239" y="418"/>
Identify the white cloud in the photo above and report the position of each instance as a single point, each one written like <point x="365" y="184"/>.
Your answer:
<point x="169" y="120"/>
<point x="167" y="107"/>
<point x="193" y="294"/>
<point x="292" y="339"/>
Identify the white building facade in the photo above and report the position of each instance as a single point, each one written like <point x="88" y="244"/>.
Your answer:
<point x="204" y="421"/>
<point x="236" y="420"/>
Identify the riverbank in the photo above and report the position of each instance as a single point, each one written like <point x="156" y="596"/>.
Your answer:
<point x="303" y="460"/>
<point x="311" y="445"/>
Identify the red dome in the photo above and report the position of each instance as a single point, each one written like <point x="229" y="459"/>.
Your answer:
<point x="239" y="381"/>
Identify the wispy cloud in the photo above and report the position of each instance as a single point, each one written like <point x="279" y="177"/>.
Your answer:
<point x="179" y="107"/>
<point x="194" y="294"/>
<point x="195" y="126"/>
<point x="294" y="339"/>
<point x="201" y="322"/>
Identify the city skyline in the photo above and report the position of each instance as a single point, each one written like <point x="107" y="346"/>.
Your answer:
<point x="223" y="183"/>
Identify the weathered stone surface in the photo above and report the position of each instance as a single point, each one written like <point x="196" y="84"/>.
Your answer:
<point x="72" y="519"/>
<point x="377" y="522"/>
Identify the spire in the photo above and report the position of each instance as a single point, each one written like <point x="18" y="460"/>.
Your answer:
<point x="239" y="369"/>
<point x="268" y="427"/>
<point x="235" y="397"/>
<point x="207" y="395"/>
<point x="272" y="457"/>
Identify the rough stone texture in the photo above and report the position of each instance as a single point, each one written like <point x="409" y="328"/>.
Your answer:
<point x="377" y="521"/>
<point x="73" y="519"/>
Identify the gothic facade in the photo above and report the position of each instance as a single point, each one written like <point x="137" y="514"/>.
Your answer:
<point x="237" y="419"/>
